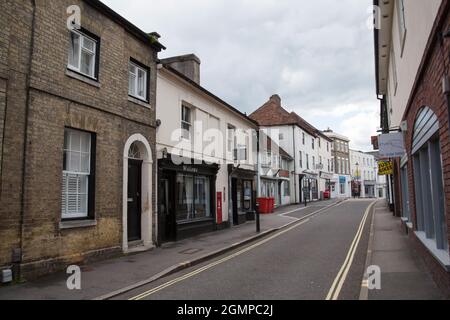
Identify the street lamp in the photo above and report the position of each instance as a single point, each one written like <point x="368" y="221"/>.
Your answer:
<point x="357" y="179"/>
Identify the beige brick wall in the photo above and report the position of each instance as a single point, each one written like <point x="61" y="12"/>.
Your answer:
<point x="15" y="35"/>
<point x="58" y="101"/>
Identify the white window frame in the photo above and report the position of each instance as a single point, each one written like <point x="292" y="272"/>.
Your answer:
<point x="189" y="124"/>
<point x="137" y="68"/>
<point x="77" y="69"/>
<point x="67" y="173"/>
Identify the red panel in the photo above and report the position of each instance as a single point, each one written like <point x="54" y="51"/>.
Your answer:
<point x="219" y="208"/>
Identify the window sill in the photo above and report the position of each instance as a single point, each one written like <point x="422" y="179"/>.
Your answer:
<point x="76" y="224"/>
<point x="139" y="102"/>
<point x="85" y="79"/>
<point x="441" y="255"/>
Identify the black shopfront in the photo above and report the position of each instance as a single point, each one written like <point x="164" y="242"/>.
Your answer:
<point x="186" y="200"/>
<point x="242" y="194"/>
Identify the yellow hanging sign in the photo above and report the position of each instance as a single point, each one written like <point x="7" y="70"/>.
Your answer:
<point x="385" y="168"/>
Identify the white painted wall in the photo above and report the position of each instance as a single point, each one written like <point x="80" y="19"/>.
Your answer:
<point x="419" y="17"/>
<point x="367" y="167"/>
<point x="172" y="92"/>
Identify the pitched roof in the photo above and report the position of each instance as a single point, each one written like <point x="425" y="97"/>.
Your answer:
<point x="149" y="38"/>
<point x="273" y="114"/>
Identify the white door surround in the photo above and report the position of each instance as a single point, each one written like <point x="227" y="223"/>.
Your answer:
<point x="146" y="156"/>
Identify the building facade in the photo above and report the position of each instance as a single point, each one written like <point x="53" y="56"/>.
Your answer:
<point x="363" y="168"/>
<point x="412" y="46"/>
<point x="310" y="149"/>
<point x="206" y="155"/>
<point x="276" y="167"/>
<point x="341" y="185"/>
<point x="78" y="136"/>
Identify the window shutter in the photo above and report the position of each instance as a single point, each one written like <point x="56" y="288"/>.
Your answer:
<point x="72" y="188"/>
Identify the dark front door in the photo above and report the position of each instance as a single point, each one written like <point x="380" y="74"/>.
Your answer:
<point x="134" y="199"/>
<point x="167" y="220"/>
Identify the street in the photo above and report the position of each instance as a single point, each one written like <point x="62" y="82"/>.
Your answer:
<point x="320" y="257"/>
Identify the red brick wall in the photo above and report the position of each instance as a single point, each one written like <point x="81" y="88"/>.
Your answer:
<point x="428" y="92"/>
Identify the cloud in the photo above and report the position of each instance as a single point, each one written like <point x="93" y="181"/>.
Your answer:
<point x="318" y="55"/>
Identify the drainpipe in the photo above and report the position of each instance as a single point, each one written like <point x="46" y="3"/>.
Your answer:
<point x="258" y="182"/>
<point x="18" y="257"/>
<point x="446" y="91"/>
<point x="446" y="79"/>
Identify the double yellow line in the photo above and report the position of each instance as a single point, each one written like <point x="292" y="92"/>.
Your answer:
<point x="338" y="283"/>
<point x="211" y="265"/>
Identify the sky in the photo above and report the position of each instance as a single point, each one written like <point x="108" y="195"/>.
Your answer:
<point x="317" y="55"/>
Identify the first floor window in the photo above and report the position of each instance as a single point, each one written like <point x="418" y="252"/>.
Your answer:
<point x="137" y="81"/>
<point x="186" y="122"/>
<point x="231" y="140"/>
<point x="76" y="174"/>
<point x="83" y="54"/>
<point x="301" y="159"/>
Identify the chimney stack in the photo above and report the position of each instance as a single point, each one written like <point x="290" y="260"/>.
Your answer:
<point x="188" y="65"/>
<point x="276" y="98"/>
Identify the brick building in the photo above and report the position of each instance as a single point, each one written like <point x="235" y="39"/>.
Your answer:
<point x="308" y="146"/>
<point x="412" y="47"/>
<point x="340" y="150"/>
<point x="77" y="134"/>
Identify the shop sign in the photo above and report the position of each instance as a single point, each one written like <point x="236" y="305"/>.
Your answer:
<point x="385" y="168"/>
<point x="326" y="175"/>
<point x="190" y="169"/>
<point x="391" y="145"/>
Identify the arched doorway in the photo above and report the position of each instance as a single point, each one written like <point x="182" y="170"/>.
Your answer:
<point x="137" y="210"/>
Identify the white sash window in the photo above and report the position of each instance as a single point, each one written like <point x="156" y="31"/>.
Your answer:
<point x="76" y="172"/>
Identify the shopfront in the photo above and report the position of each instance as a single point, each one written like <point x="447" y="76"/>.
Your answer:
<point x="186" y="200"/>
<point x="310" y="187"/>
<point x="326" y="178"/>
<point x="243" y="194"/>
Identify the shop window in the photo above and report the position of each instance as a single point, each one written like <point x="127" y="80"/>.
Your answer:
<point x="428" y="179"/>
<point x="193" y="198"/>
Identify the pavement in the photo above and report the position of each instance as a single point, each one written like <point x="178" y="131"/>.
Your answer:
<point x="106" y="278"/>
<point x="403" y="274"/>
